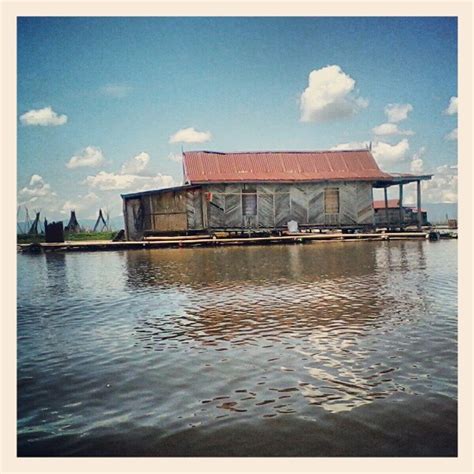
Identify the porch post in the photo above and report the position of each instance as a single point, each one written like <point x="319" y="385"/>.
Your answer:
<point x="400" y="204"/>
<point x="386" y="207"/>
<point x="418" y="202"/>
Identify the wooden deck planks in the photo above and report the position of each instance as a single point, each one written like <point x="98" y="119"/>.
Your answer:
<point x="183" y="242"/>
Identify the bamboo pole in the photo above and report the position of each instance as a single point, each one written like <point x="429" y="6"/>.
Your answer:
<point x="386" y="207"/>
<point x="418" y="202"/>
<point x="400" y="205"/>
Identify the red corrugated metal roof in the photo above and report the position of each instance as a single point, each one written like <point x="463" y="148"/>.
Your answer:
<point x="392" y="204"/>
<point x="285" y="166"/>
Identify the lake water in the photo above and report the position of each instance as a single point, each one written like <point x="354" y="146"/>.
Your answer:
<point x="323" y="349"/>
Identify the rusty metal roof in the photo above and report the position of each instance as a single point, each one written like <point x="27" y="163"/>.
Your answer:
<point x="394" y="204"/>
<point x="282" y="166"/>
<point x="391" y="204"/>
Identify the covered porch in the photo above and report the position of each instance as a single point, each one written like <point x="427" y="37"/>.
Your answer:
<point x="401" y="180"/>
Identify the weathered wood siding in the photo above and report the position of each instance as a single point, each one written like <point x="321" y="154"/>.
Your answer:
<point x="282" y="205"/>
<point x="265" y="209"/>
<point x="166" y="211"/>
<point x="170" y="211"/>
<point x="267" y="206"/>
<point x="298" y="203"/>
<point x="364" y="204"/>
<point x="315" y="204"/>
<point x="279" y="203"/>
<point x="194" y="209"/>
<point x="392" y="214"/>
<point x="410" y="217"/>
<point x="216" y="213"/>
<point x="133" y="216"/>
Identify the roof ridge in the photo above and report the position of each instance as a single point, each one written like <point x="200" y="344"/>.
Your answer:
<point x="274" y="152"/>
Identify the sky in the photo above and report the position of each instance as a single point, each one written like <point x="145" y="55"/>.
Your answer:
<point x="106" y="105"/>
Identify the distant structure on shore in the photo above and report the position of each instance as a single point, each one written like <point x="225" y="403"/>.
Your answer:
<point x="73" y="226"/>
<point x="37" y="226"/>
<point x="101" y="224"/>
<point x="389" y="216"/>
<point x="34" y="229"/>
<point x="264" y="191"/>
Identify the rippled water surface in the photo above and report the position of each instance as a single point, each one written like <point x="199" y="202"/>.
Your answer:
<point x="323" y="349"/>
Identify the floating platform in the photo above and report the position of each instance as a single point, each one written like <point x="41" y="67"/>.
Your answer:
<point x="207" y="240"/>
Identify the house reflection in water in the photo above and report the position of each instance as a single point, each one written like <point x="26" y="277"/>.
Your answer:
<point x="318" y="308"/>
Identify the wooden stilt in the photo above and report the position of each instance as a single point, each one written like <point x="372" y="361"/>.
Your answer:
<point x="418" y="203"/>
<point x="400" y="204"/>
<point x="386" y="208"/>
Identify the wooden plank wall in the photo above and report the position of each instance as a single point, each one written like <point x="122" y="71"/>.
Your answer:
<point x="364" y="204"/>
<point x="393" y="217"/>
<point x="298" y="203"/>
<point x="166" y="211"/>
<point x="194" y="212"/>
<point x="315" y="196"/>
<point x="348" y="204"/>
<point x="279" y="203"/>
<point x="265" y="205"/>
<point x="215" y="213"/>
<point x="133" y="216"/>
<point x="282" y="202"/>
<point x="163" y="212"/>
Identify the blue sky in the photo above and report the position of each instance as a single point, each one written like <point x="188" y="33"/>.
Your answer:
<point x="99" y="99"/>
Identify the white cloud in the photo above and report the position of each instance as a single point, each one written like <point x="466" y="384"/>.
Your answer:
<point x="113" y="181"/>
<point x="384" y="153"/>
<point x="387" y="154"/>
<point x="190" y="135"/>
<point x="390" y="129"/>
<point x="452" y="135"/>
<point x="452" y="107"/>
<point x="133" y="175"/>
<point x="44" y="117"/>
<point x="38" y="195"/>
<point x="37" y="181"/>
<point x="397" y="112"/>
<point x="36" y="188"/>
<point x="118" y="91"/>
<point x="136" y="165"/>
<point x="175" y="157"/>
<point x="89" y="156"/>
<point x="416" y="164"/>
<point x="443" y="187"/>
<point x="330" y="95"/>
<point x="351" y="146"/>
<point x="85" y="205"/>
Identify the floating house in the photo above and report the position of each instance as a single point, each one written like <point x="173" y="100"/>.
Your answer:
<point x="388" y="214"/>
<point x="263" y="191"/>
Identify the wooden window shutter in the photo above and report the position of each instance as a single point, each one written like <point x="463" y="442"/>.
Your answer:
<point x="331" y="200"/>
<point x="249" y="204"/>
